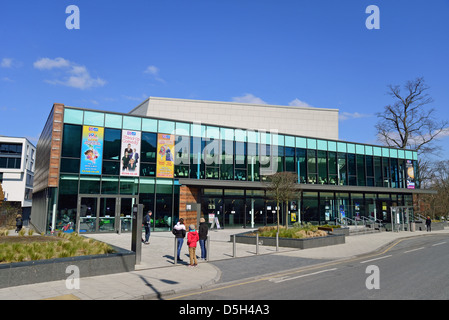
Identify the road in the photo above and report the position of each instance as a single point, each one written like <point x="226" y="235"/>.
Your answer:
<point x="415" y="268"/>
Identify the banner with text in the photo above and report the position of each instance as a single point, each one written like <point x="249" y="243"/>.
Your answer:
<point x="165" y="156"/>
<point x="92" y="150"/>
<point x="130" y="153"/>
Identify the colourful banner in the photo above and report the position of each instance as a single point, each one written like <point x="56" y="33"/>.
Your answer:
<point x="410" y="175"/>
<point x="130" y="153"/>
<point x="92" y="150"/>
<point x="165" y="156"/>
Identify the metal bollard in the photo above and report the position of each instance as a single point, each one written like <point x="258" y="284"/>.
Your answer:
<point x="207" y="248"/>
<point x="234" y="253"/>
<point x="175" y="255"/>
<point x="257" y="243"/>
<point x="277" y="241"/>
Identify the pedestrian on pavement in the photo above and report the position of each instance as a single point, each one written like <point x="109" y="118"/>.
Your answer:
<point x="428" y="224"/>
<point x="192" y="239"/>
<point x="203" y="230"/>
<point x="179" y="230"/>
<point x="19" y="222"/>
<point x="147" y="226"/>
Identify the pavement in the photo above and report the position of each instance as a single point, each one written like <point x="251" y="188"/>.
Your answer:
<point x="157" y="277"/>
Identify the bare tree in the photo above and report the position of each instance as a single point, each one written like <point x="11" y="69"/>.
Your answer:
<point x="282" y="188"/>
<point x="407" y="123"/>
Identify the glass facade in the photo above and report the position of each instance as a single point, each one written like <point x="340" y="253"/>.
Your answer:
<point x="102" y="202"/>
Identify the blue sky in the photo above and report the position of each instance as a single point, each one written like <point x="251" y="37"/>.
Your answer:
<point x="317" y="53"/>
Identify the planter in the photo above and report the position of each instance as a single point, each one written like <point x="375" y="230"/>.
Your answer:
<point x="306" y="243"/>
<point x="29" y="272"/>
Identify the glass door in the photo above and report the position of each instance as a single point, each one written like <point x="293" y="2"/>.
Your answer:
<point x="126" y="208"/>
<point x="106" y="218"/>
<point x="87" y="215"/>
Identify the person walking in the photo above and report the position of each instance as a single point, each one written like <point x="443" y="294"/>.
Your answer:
<point x="147" y="226"/>
<point x="179" y="230"/>
<point x="203" y="230"/>
<point x="428" y="224"/>
<point x="192" y="239"/>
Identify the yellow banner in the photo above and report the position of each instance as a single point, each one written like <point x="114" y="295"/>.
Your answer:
<point x="165" y="156"/>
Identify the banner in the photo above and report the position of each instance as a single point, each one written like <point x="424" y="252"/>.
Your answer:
<point x="92" y="150"/>
<point x="165" y="156"/>
<point x="130" y="153"/>
<point x="410" y="175"/>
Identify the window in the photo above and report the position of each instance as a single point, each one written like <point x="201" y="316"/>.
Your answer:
<point x="352" y="170"/>
<point x="71" y="141"/>
<point x="301" y="165"/>
<point x="322" y="167"/>
<point x="361" y="170"/>
<point x="227" y="160"/>
<point x="289" y="159"/>
<point x="332" y="162"/>
<point x="148" y="154"/>
<point x="311" y="167"/>
<point x="342" y="171"/>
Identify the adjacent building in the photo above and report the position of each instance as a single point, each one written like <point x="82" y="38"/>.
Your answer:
<point x="192" y="159"/>
<point x="17" y="163"/>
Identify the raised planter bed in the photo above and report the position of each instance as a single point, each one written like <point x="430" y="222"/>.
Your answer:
<point x="306" y="243"/>
<point x="22" y="273"/>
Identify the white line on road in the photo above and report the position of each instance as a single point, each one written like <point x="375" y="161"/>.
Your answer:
<point x="278" y="280"/>
<point x="437" y="244"/>
<point x="376" y="259"/>
<point x="414" y="250"/>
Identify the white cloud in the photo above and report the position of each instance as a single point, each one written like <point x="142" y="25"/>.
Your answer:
<point x="75" y="76"/>
<point x="299" y="103"/>
<point x="154" y="71"/>
<point x="354" y="115"/>
<point x="6" y="63"/>
<point x="249" y="98"/>
<point x="48" y="64"/>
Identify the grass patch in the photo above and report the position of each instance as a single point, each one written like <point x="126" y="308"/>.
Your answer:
<point x="30" y="248"/>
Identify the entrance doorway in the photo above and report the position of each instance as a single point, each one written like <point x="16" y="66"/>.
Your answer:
<point x="104" y="214"/>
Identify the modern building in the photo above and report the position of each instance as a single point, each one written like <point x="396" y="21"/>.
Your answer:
<point x="17" y="163"/>
<point x="192" y="159"/>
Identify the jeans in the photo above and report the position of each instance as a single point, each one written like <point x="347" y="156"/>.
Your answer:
<point x="203" y="249"/>
<point x="147" y="233"/>
<point x="180" y="241"/>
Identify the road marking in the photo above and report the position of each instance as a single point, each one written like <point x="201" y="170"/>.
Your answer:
<point x="414" y="250"/>
<point x="375" y="259"/>
<point x="279" y="280"/>
<point x="437" y="244"/>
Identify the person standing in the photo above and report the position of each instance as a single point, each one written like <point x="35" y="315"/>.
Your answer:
<point x="147" y="226"/>
<point x="19" y="222"/>
<point x="428" y="224"/>
<point x="192" y="239"/>
<point x="203" y="230"/>
<point x="179" y="230"/>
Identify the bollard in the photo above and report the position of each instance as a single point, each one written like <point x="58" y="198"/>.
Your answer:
<point x="234" y="253"/>
<point x="277" y="241"/>
<point x="207" y="248"/>
<point x="175" y="255"/>
<point x="257" y="243"/>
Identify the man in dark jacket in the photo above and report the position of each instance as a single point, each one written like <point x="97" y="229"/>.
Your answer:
<point x="203" y="230"/>
<point x="428" y="224"/>
<point x="147" y="225"/>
